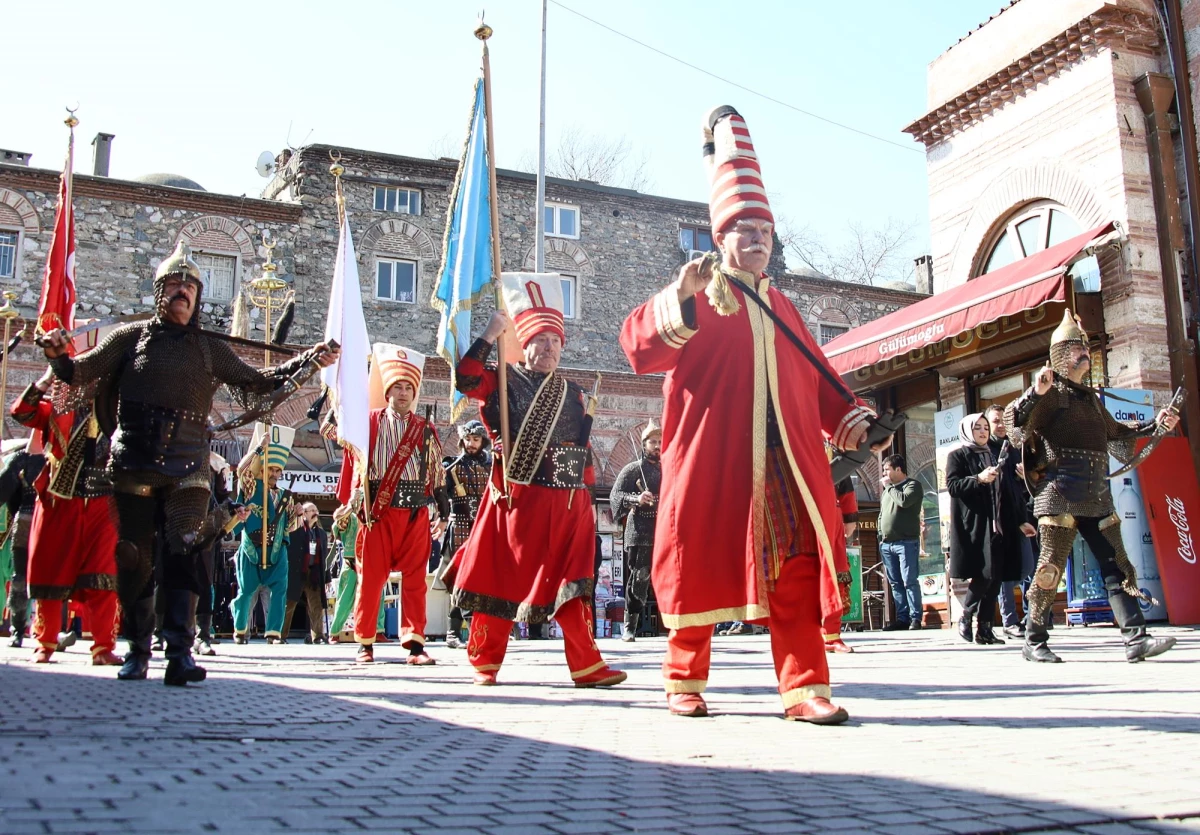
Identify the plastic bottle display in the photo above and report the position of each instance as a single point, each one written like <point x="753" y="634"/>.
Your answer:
<point x="1135" y="533"/>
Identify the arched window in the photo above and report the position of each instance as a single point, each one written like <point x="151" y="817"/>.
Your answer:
<point x="1038" y="226"/>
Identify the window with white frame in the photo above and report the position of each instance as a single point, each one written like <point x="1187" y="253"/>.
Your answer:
<point x="695" y="238"/>
<point x="396" y="280"/>
<point x="561" y="221"/>
<point x="828" y="333"/>
<point x="217" y="273"/>
<point x="8" y="253"/>
<point x="406" y="201"/>
<point x="570" y="290"/>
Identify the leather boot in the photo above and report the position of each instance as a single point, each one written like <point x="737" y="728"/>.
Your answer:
<point x="984" y="634"/>
<point x="203" y="646"/>
<point x="18" y="604"/>
<point x="1036" y="648"/>
<point x="964" y="627"/>
<point x="18" y="629"/>
<point x="137" y="627"/>
<point x="1139" y="645"/>
<point x="181" y="668"/>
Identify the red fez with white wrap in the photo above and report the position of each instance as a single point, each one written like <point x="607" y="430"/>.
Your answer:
<point x="736" y="186"/>
<point x="535" y="304"/>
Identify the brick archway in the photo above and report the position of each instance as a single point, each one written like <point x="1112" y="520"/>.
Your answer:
<point x="213" y="232"/>
<point x="1044" y="180"/>
<point x="561" y="256"/>
<point x="23" y="209"/>
<point x="398" y="237"/>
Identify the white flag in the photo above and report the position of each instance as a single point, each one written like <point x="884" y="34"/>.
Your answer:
<point x="346" y="379"/>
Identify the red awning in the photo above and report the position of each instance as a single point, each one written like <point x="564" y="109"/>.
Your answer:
<point x="1024" y="285"/>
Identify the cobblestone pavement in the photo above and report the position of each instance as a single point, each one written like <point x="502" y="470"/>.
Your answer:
<point x="945" y="738"/>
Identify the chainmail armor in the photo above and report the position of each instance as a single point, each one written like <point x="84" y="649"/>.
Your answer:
<point x="635" y="477"/>
<point x="473" y="473"/>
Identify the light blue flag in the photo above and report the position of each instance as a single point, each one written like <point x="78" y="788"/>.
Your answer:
<point x="467" y="249"/>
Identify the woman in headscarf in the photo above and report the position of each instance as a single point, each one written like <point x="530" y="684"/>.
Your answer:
<point x="980" y="550"/>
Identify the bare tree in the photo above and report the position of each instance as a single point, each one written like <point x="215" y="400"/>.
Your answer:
<point x="869" y="255"/>
<point x="445" y="148"/>
<point x="583" y="156"/>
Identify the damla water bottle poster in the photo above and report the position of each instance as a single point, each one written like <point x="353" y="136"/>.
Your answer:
<point x="1134" y="405"/>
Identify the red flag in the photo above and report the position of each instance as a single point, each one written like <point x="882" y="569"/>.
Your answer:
<point x="57" y="306"/>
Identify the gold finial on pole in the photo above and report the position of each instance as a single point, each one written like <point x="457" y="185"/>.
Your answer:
<point x="482" y="31"/>
<point x="337" y="170"/>
<point x="71" y="121"/>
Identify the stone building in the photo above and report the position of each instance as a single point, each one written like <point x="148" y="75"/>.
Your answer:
<point x="614" y="247"/>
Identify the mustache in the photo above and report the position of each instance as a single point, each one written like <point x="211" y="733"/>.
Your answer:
<point x="178" y="297"/>
<point x="756" y="248"/>
<point x="1081" y="361"/>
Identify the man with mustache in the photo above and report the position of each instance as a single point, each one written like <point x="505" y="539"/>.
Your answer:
<point x="530" y="555"/>
<point x="1066" y="436"/>
<point x="467" y="479"/>
<point x="162" y="375"/>
<point x="747" y="518"/>
<point x="634" y="502"/>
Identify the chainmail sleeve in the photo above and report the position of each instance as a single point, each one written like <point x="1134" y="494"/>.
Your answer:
<point x="102" y="362"/>
<point x="1122" y="437"/>
<point x="249" y="387"/>
<point x="1030" y="412"/>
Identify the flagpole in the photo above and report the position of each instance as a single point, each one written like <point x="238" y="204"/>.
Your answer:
<point x="70" y="122"/>
<point x="337" y="170"/>
<point x="483" y="32"/>
<point x="539" y="246"/>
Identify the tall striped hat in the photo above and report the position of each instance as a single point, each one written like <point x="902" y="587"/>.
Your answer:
<point x="398" y="364"/>
<point x="736" y="191"/>
<point x="535" y="303"/>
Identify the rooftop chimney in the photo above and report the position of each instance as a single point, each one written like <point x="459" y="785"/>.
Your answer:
<point x="923" y="274"/>
<point x="101" y="149"/>
<point x="14" y="157"/>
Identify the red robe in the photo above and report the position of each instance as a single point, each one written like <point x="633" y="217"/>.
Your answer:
<point x="721" y="372"/>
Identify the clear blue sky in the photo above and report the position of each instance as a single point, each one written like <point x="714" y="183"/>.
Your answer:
<point x="202" y="89"/>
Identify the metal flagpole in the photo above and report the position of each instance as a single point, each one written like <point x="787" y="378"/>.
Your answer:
<point x="483" y="32"/>
<point x="539" y="247"/>
<point x="9" y="313"/>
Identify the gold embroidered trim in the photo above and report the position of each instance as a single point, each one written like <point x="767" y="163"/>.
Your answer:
<point x="758" y="450"/>
<point x="668" y="318"/>
<point x="486" y="668"/>
<point x="275" y="634"/>
<point x="413" y="638"/>
<point x="536" y="429"/>
<point x="686" y="685"/>
<point x="802" y="694"/>
<point x="587" y="671"/>
<point x="1109" y="521"/>
<point x="752" y="611"/>
<point x="836" y="636"/>
<point x="366" y="642"/>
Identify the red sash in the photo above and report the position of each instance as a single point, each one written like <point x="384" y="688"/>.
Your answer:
<point x="391" y="477"/>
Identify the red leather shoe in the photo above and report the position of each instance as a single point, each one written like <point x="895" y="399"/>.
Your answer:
<point x="604" y="677"/>
<point x="818" y="711"/>
<point x="422" y="660"/>
<point x="687" y="704"/>
<point x="485" y="679"/>
<point x="366" y="655"/>
<point x="380" y="638"/>
<point x="838" y="646"/>
<point x="41" y="655"/>
<point x="107" y="659"/>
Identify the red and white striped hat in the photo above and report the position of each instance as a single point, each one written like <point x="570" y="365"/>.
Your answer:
<point x="535" y="303"/>
<point x="736" y="191"/>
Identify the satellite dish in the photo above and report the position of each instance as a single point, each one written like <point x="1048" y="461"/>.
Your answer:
<point x="266" y="164"/>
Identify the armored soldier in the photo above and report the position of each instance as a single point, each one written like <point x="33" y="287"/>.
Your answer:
<point x="466" y="478"/>
<point x="634" y="502"/>
<point x="1067" y="436"/>
<point x="162" y="374"/>
<point x="253" y="569"/>
<point x="21" y="470"/>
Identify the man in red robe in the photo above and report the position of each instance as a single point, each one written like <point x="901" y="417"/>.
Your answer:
<point x="530" y="555"/>
<point x="748" y="520"/>
<point x="404" y="475"/>
<point x="848" y="506"/>
<point x="73" y="538"/>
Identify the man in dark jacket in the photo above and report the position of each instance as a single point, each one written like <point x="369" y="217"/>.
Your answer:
<point x="634" y="501"/>
<point x="1014" y="495"/>
<point x="900" y="540"/>
<point x="308" y="546"/>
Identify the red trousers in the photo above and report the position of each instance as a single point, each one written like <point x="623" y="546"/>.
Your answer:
<point x="796" y="641"/>
<point x="398" y="540"/>
<point x="489" y="639"/>
<point x="99" y="617"/>
<point x="833" y="627"/>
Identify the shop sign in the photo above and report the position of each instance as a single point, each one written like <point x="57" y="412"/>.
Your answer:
<point x="1172" y="499"/>
<point x="929" y="348"/>
<point x="309" y="483"/>
<point x="854" y="558"/>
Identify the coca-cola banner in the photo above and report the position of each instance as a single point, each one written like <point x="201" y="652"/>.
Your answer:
<point x="1172" y="498"/>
